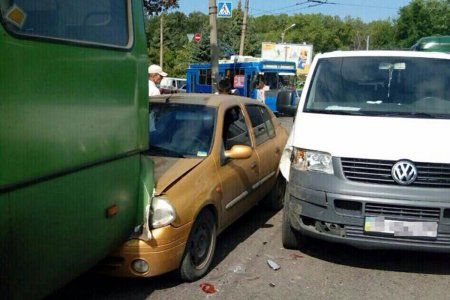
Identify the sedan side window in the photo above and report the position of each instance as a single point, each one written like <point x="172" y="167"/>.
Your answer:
<point x="261" y="123"/>
<point x="235" y="131"/>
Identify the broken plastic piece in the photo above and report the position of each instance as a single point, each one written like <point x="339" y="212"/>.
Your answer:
<point x="208" y="288"/>
<point x="273" y="264"/>
<point x="272" y="284"/>
<point x="238" y="269"/>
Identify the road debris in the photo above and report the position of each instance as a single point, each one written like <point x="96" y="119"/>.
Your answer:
<point x="208" y="288"/>
<point x="295" y="256"/>
<point x="238" y="269"/>
<point x="273" y="264"/>
<point x="272" y="284"/>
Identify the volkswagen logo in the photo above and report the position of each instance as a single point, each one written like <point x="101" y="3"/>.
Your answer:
<point x="404" y="172"/>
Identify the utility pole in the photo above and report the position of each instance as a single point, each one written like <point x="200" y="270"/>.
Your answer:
<point x="367" y="42"/>
<point x="161" y="40"/>
<point x="244" y="28"/>
<point x="214" y="45"/>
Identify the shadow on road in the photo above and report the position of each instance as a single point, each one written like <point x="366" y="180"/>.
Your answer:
<point x="239" y="231"/>
<point x="94" y="286"/>
<point x="386" y="260"/>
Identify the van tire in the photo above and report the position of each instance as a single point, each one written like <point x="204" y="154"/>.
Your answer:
<point x="290" y="238"/>
<point x="274" y="200"/>
<point x="200" y="247"/>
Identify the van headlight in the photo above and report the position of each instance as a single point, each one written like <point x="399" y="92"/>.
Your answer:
<point x="309" y="160"/>
<point x="162" y="212"/>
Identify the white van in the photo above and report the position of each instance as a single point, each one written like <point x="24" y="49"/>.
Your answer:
<point x="368" y="160"/>
<point x="171" y="85"/>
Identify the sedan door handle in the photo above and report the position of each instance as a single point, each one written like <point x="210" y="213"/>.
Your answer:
<point x="253" y="164"/>
<point x="277" y="150"/>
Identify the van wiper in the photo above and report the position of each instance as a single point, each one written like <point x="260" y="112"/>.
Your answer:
<point x="410" y="115"/>
<point x="337" y="112"/>
<point x="155" y="150"/>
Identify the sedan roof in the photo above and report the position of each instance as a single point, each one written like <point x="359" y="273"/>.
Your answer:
<point x="201" y="99"/>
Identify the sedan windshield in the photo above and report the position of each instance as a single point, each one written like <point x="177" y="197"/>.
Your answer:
<point x="381" y="86"/>
<point x="180" y="130"/>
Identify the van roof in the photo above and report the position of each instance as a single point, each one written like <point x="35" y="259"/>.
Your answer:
<point x="372" y="53"/>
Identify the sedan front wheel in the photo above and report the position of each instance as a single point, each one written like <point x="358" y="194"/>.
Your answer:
<point x="200" y="247"/>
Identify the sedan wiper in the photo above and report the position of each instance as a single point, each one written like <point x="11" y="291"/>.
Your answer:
<point x="155" y="150"/>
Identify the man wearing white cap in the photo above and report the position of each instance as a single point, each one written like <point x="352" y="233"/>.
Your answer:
<point x="155" y="75"/>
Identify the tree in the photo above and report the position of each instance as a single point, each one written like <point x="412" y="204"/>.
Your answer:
<point x="422" y="18"/>
<point x="382" y="35"/>
<point x="153" y="7"/>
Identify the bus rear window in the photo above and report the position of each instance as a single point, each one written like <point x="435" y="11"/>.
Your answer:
<point x="97" y="22"/>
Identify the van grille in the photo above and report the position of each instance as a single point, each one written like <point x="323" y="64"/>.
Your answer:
<point x="407" y="212"/>
<point x="442" y="239"/>
<point x="379" y="172"/>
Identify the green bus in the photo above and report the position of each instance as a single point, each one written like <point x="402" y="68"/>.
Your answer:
<point x="439" y="43"/>
<point x="73" y="127"/>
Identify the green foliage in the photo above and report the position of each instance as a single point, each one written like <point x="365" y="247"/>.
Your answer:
<point x="153" y="7"/>
<point x="326" y="33"/>
<point x="422" y="18"/>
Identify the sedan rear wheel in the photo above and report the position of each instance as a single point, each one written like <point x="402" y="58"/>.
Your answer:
<point x="274" y="201"/>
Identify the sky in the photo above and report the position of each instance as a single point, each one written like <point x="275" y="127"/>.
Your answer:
<point x="366" y="10"/>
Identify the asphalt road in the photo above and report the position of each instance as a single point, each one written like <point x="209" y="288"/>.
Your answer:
<point x="318" y="270"/>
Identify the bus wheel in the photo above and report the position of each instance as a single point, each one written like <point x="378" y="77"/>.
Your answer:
<point x="200" y="247"/>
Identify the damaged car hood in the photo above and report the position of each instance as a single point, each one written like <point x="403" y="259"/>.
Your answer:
<point x="170" y="169"/>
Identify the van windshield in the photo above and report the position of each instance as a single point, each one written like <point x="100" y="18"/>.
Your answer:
<point x="381" y="86"/>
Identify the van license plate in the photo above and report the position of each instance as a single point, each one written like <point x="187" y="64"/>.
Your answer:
<point x="400" y="228"/>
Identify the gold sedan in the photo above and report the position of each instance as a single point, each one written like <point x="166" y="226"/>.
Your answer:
<point x="215" y="157"/>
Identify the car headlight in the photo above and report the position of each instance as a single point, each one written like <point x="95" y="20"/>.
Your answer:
<point x="309" y="160"/>
<point x="162" y="212"/>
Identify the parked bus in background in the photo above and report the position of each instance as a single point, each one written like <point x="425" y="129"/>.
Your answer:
<point x="433" y="44"/>
<point x="73" y="125"/>
<point x="245" y="73"/>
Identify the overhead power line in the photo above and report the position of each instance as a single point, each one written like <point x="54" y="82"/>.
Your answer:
<point x="313" y="3"/>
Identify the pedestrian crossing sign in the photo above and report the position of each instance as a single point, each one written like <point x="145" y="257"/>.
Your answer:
<point x="224" y="9"/>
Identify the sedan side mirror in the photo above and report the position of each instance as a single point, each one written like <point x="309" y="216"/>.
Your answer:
<point x="239" y="152"/>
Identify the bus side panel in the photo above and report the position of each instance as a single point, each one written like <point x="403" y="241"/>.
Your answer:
<point x="63" y="106"/>
<point x="5" y="245"/>
<point x="59" y="228"/>
<point x="70" y="117"/>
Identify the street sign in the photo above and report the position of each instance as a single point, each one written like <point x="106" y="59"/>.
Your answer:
<point x="224" y="9"/>
<point x="197" y="37"/>
<point x="238" y="81"/>
<point x="190" y="36"/>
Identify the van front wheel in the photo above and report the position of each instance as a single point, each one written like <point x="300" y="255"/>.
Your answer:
<point x="290" y="238"/>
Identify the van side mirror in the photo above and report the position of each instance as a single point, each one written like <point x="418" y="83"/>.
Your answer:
<point x="285" y="103"/>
